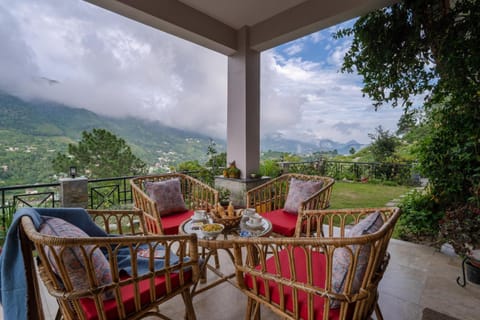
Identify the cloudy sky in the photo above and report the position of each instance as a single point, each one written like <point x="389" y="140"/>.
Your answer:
<point x="114" y="66"/>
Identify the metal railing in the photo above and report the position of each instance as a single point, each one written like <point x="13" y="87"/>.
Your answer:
<point x="401" y="173"/>
<point x="102" y="193"/>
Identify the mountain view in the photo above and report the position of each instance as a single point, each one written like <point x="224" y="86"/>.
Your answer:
<point x="34" y="131"/>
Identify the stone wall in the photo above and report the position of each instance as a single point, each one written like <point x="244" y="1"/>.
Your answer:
<point x="238" y="188"/>
<point x="74" y="192"/>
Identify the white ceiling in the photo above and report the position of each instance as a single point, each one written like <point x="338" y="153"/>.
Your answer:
<point x="215" y="24"/>
<point x="239" y="13"/>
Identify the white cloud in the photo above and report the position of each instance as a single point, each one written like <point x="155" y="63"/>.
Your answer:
<point x="294" y="49"/>
<point x="115" y="66"/>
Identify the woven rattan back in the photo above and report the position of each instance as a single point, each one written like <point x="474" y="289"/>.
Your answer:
<point x="295" y="277"/>
<point x="133" y="292"/>
<point x="196" y="194"/>
<point x="272" y="195"/>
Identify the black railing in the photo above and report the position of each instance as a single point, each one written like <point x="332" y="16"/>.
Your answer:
<point x="109" y="192"/>
<point x="400" y="173"/>
<point x="102" y="194"/>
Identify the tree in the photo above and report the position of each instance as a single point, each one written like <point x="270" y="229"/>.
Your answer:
<point x="383" y="144"/>
<point x="100" y="154"/>
<point x="429" y="48"/>
<point x="351" y="151"/>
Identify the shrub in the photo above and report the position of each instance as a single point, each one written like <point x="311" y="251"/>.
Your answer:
<point x="270" y="168"/>
<point x="461" y="228"/>
<point x="420" y="216"/>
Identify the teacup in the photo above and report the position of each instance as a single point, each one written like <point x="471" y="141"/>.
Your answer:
<point x="249" y="212"/>
<point x="199" y="214"/>
<point x="255" y="220"/>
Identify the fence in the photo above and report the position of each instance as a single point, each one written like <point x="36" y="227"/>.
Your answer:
<point x="102" y="193"/>
<point x="400" y="173"/>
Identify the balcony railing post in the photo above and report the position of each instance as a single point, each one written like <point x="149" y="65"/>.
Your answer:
<point x="74" y="192"/>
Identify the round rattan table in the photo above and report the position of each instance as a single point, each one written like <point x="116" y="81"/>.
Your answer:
<point x="224" y="241"/>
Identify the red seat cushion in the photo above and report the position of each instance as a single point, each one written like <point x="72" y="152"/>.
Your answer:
<point x="172" y="221"/>
<point x="282" y="222"/>
<point x="127" y="296"/>
<point x="300" y="263"/>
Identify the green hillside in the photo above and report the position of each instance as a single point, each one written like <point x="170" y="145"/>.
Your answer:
<point x="32" y="132"/>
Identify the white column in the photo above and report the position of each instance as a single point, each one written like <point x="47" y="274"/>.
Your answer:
<point x="243" y="113"/>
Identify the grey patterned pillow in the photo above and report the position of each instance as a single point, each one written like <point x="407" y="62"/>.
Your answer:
<point x="342" y="256"/>
<point x="168" y="196"/>
<point x="300" y="191"/>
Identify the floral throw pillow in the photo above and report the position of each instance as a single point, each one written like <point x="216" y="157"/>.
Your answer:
<point x="342" y="256"/>
<point x="72" y="258"/>
<point x="168" y="196"/>
<point x="298" y="192"/>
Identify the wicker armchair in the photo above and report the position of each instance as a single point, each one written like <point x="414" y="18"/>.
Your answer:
<point x="196" y="194"/>
<point x="133" y="294"/>
<point x="299" y="277"/>
<point x="269" y="200"/>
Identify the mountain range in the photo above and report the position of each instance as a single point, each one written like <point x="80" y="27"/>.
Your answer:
<point x="45" y="128"/>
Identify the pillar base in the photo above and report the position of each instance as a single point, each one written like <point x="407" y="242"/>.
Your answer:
<point x="74" y="192"/>
<point x="238" y="188"/>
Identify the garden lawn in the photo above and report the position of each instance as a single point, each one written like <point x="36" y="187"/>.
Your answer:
<point x="364" y="195"/>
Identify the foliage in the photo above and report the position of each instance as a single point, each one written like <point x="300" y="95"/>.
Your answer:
<point x="223" y="195"/>
<point x="7" y="221"/>
<point x="427" y="48"/>
<point x="420" y="217"/>
<point x="450" y="152"/>
<point x="383" y="144"/>
<point x="270" y="168"/>
<point x="461" y="228"/>
<point x="189" y="166"/>
<point x="100" y="154"/>
<point x="216" y="160"/>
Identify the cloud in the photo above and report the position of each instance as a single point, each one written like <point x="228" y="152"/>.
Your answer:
<point x="294" y="49"/>
<point x="118" y="67"/>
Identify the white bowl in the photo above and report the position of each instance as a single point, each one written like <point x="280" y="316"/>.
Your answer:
<point x="213" y="233"/>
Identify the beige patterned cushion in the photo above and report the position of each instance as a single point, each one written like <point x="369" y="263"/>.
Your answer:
<point x="72" y="257"/>
<point x="167" y="194"/>
<point x="342" y="256"/>
<point x="300" y="191"/>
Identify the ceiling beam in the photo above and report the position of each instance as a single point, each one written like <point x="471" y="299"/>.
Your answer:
<point x="178" y="19"/>
<point x="308" y="17"/>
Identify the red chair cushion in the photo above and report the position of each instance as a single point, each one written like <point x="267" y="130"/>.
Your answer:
<point x="282" y="222"/>
<point x="127" y="295"/>
<point x="300" y="263"/>
<point x="172" y="221"/>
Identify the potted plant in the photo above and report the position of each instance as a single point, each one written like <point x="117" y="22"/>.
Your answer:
<point x="223" y="196"/>
<point x="232" y="171"/>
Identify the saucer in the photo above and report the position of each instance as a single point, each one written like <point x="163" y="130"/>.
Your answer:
<point x="254" y="225"/>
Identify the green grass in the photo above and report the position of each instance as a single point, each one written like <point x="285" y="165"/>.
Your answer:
<point x="363" y="195"/>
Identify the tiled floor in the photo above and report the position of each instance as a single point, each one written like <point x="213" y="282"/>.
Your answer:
<point x="417" y="277"/>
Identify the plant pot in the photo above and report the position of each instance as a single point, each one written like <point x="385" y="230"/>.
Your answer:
<point x="473" y="273"/>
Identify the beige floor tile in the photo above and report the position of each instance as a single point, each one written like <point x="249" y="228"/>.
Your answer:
<point x="394" y="308"/>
